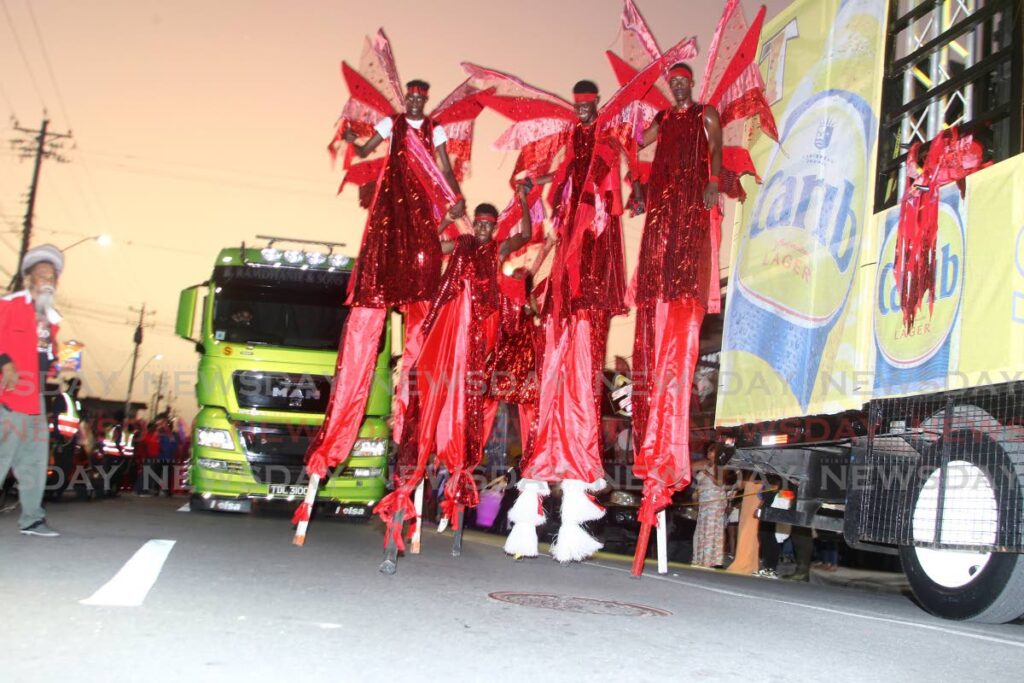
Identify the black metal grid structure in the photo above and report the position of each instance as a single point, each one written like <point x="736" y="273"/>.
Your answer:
<point x="949" y="62"/>
<point x="944" y="471"/>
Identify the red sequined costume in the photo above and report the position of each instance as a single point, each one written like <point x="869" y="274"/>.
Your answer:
<point x="672" y="286"/>
<point x="399" y="264"/>
<point x="513" y="367"/>
<point x="450" y="383"/>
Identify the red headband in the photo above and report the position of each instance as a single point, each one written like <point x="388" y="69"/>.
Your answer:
<point x="416" y="90"/>
<point x="584" y="96"/>
<point x="683" y="71"/>
<point x="485" y="216"/>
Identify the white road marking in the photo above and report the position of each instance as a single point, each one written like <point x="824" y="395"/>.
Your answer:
<point x="817" y="608"/>
<point x="185" y="508"/>
<point x="131" y="584"/>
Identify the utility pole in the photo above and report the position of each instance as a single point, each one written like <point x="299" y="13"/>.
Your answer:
<point x="42" y="147"/>
<point x="155" y="405"/>
<point x="137" y="339"/>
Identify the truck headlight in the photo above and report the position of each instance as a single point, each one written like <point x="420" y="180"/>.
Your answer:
<point x="211" y="464"/>
<point x="215" y="438"/>
<point x="623" y="499"/>
<point x="370" y="447"/>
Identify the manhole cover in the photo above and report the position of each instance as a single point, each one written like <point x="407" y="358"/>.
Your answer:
<point x="579" y="605"/>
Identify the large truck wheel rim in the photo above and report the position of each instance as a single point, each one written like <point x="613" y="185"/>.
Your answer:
<point x="970" y="517"/>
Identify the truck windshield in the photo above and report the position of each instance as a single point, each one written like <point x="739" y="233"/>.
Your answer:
<point x="280" y="315"/>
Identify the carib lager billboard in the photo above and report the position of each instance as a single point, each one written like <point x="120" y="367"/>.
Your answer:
<point x="793" y="318"/>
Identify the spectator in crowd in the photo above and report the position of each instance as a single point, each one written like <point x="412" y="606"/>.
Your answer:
<point x="28" y="333"/>
<point x="746" y="560"/>
<point x="167" y="451"/>
<point x="828" y="553"/>
<point x="713" y="500"/>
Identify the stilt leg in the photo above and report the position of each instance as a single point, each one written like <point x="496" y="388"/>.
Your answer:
<point x="641" y="549"/>
<point x="457" y="541"/>
<point x="417" y="533"/>
<point x="390" y="564"/>
<point x="302" y="515"/>
<point x="662" y="544"/>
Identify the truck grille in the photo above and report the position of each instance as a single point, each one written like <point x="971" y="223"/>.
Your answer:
<point x="276" y="453"/>
<point x="282" y="391"/>
<point x="944" y="471"/>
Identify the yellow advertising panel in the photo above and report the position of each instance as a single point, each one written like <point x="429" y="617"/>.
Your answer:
<point x="796" y="319"/>
<point x="972" y="335"/>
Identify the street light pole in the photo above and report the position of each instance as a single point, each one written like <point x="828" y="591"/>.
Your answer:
<point x="137" y="339"/>
<point x="103" y="240"/>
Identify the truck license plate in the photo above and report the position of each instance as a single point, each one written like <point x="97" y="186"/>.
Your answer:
<point x="287" y="490"/>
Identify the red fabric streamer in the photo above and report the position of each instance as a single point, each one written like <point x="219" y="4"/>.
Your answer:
<point x="388" y="508"/>
<point x="567" y="444"/>
<point x="346" y="408"/>
<point x="302" y="513"/>
<point x="449" y="364"/>
<point x="664" y="360"/>
<point x="950" y="159"/>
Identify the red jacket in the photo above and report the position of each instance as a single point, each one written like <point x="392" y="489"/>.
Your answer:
<point x="19" y="344"/>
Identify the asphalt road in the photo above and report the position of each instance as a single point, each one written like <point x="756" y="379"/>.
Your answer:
<point x="233" y="600"/>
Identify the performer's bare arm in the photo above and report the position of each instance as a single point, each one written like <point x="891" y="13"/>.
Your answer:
<point x="459" y="208"/>
<point x="549" y="244"/>
<point x="650" y="135"/>
<point x="447" y="246"/>
<point x="518" y="241"/>
<point x="364" y="150"/>
<point x="714" y="131"/>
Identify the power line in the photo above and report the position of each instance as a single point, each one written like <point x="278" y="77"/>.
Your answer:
<point x="24" y="57"/>
<point x="203" y="167"/>
<point x="49" y="66"/>
<point x="7" y="100"/>
<point x="67" y="118"/>
<point x="212" y="181"/>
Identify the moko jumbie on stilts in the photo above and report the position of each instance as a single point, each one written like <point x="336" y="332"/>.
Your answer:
<point x="450" y="379"/>
<point x="585" y="289"/>
<point x="677" y="281"/>
<point x="399" y="263"/>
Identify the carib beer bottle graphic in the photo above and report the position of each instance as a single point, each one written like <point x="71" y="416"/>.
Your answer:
<point x="909" y="361"/>
<point x="799" y="252"/>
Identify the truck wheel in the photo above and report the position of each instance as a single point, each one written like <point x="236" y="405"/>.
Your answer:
<point x="983" y="493"/>
<point x="197" y="504"/>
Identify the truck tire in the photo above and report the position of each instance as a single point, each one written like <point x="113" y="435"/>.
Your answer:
<point x="966" y="585"/>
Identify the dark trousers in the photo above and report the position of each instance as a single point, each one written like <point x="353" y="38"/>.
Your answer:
<point x="768" y="546"/>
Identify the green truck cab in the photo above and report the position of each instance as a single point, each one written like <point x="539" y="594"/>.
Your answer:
<point x="268" y="331"/>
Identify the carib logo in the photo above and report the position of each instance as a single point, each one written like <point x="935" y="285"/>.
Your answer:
<point x="906" y="358"/>
<point x="796" y="261"/>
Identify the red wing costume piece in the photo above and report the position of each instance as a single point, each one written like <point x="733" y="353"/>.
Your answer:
<point x="637" y="49"/>
<point x="950" y="158"/>
<point x="449" y="372"/>
<point x="587" y="287"/>
<point x="399" y="263"/>
<point x="677" y="276"/>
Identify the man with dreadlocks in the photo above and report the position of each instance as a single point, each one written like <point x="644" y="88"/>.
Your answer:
<point x="672" y="290"/>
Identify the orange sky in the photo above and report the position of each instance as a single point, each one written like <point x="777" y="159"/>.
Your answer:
<point x="200" y="124"/>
